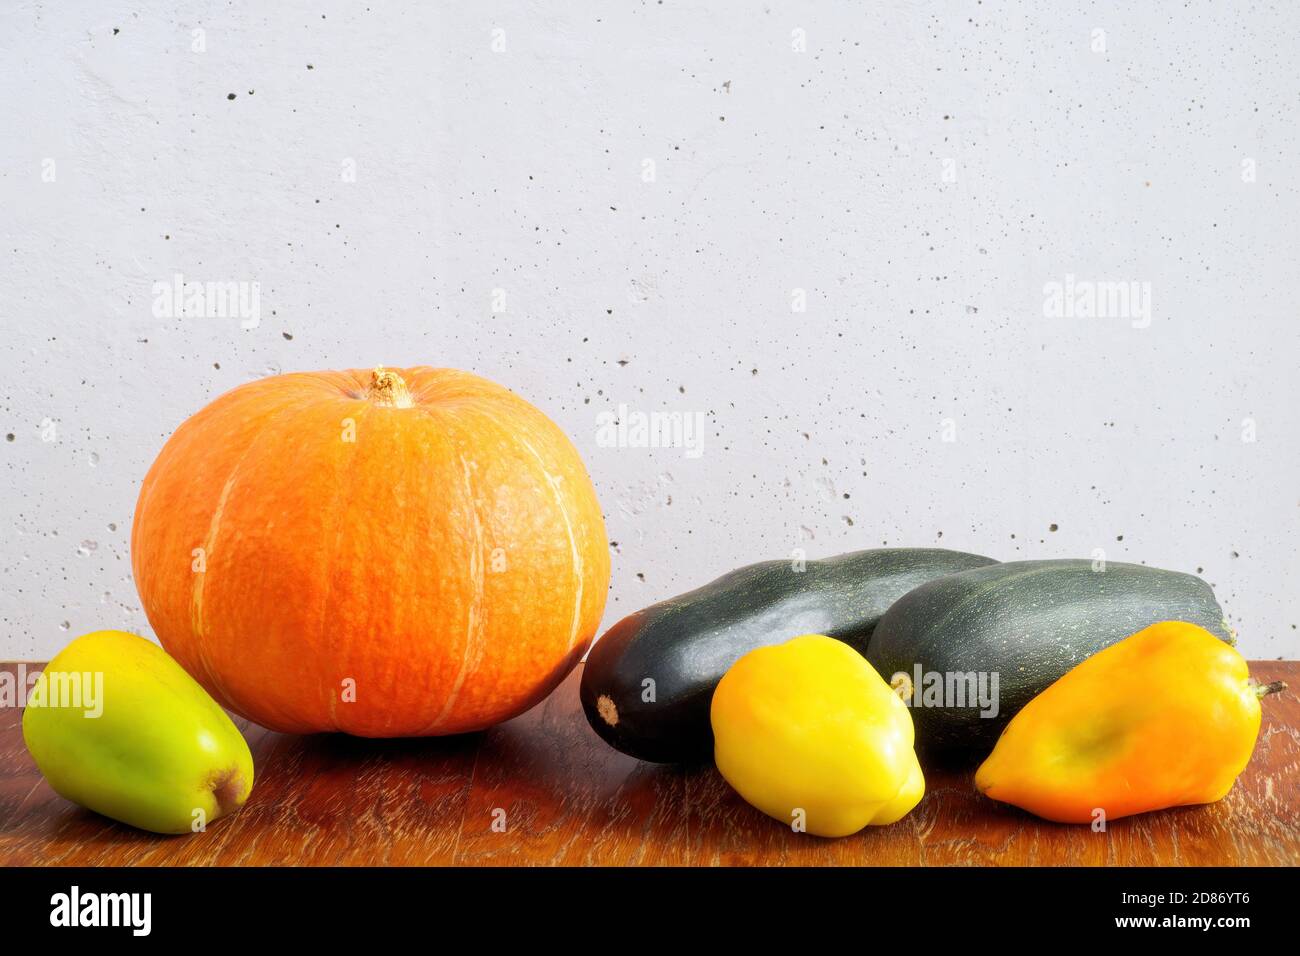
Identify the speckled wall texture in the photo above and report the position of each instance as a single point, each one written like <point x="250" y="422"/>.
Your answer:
<point x="978" y="275"/>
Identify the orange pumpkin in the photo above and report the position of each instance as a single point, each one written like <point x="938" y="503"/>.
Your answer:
<point x="390" y="553"/>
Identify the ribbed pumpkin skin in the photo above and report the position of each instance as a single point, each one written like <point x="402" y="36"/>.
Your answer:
<point x="328" y="561"/>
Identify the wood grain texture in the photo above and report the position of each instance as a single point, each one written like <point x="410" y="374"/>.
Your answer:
<point x="568" y="799"/>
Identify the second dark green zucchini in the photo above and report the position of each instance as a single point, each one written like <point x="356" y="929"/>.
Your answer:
<point x="1022" y="624"/>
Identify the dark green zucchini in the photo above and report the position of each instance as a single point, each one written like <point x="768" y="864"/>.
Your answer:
<point x="649" y="680"/>
<point x="1022" y="624"/>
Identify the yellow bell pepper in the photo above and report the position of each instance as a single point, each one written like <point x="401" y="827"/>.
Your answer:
<point x="1166" y="717"/>
<point x="810" y="734"/>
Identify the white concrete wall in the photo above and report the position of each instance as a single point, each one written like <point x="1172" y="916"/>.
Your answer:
<point x="920" y="171"/>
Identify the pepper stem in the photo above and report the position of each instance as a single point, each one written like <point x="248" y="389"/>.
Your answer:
<point x="1263" y="690"/>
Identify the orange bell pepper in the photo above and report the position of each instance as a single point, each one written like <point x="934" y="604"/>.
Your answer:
<point x="1164" y="718"/>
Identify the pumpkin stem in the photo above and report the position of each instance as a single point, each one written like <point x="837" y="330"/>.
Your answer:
<point x="388" y="389"/>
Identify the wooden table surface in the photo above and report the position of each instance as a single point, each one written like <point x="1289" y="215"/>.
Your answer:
<point x="568" y="799"/>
